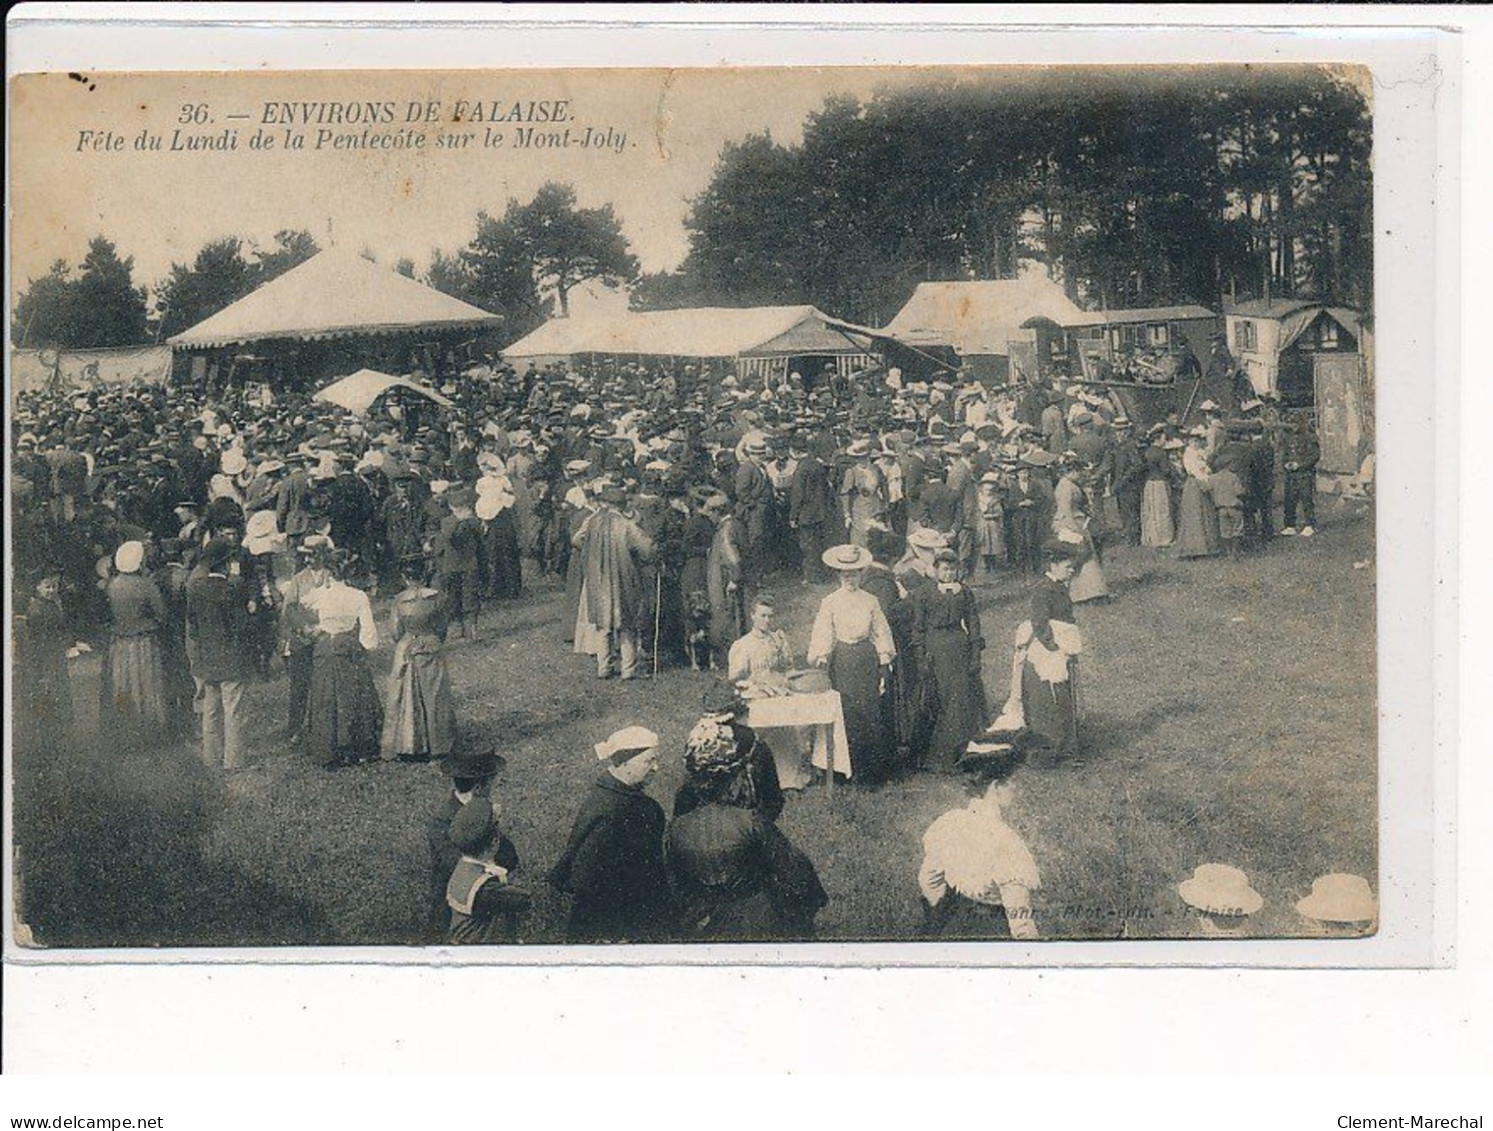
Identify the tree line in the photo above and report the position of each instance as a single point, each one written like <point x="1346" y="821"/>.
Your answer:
<point x="1145" y="187"/>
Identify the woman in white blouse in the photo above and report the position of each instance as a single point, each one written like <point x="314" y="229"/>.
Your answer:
<point x="977" y="875"/>
<point x="852" y="639"/>
<point x="345" y="717"/>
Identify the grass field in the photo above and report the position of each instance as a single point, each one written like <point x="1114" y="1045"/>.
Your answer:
<point x="1228" y="715"/>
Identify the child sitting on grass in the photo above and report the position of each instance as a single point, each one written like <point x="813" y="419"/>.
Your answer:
<point x="486" y="906"/>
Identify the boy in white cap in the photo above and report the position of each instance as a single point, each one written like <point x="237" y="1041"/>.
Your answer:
<point x="613" y="865"/>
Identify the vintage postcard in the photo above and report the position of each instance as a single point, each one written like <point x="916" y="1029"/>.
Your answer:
<point x="590" y="508"/>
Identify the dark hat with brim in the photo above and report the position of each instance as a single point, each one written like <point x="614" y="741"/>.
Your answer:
<point x="475" y="763"/>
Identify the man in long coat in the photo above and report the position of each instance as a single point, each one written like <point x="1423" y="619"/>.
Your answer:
<point x="613" y="864"/>
<point x="612" y="557"/>
<point x="753" y="495"/>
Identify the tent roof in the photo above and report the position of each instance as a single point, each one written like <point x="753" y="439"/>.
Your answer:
<point x="333" y="294"/>
<point x="1276" y="308"/>
<point x="980" y="317"/>
<point x="694" y="332"/>
<point x="1187" y="313"/>
<point x="1294" y="325"/>
<point x="357" y="391"/>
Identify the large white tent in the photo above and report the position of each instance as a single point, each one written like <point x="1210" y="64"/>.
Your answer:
<point x="754" y="338"/>
<point x="333" y="294"/>
<point x="981" y="317"/>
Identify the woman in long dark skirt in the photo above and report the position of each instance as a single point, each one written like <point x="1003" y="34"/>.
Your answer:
<point x="947" y="629"/>
<point x="851" y="637"/>
<point x="577" y="508"/>
<point x="694" y="579"/>
<point x="134" y="678"/>
<point x="1044" y="665"/>
<point x="906" y="715"/>
<point x="502" y="559"/>
<point x="344" y="717"/>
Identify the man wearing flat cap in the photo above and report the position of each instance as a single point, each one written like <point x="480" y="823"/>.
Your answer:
<point x="613" y="864"/>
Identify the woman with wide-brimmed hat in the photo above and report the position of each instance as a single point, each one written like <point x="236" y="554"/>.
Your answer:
<point x="852" y="639"/>
<point x="978" y="875"/>
<point x="863" y="493"/>
<point x="135" y="678"/>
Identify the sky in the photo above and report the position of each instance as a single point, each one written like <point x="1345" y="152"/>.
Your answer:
<point x="77" y="171"/>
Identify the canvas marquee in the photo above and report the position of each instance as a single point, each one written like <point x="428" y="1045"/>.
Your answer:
<point x="333" y="294"/>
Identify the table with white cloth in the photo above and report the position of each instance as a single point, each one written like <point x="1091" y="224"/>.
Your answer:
<point x="819" y="712"/>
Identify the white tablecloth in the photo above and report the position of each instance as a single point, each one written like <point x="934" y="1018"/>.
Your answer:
<point x="821" y="711"/>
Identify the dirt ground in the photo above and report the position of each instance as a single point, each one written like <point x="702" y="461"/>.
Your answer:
<point x="1228" y="715"/>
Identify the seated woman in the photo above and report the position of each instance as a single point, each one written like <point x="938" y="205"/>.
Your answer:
<point x="977" y="874"/>
<point x="758" y="664"/>
<point x="763" y="651"/>
<point x="722" y="708"/>
<point x="738" y="877"/>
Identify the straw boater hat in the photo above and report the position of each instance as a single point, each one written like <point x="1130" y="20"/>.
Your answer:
<point x="129" y="557"/>
<point x="924" y="539"/>
<point x="625" y="744"/>
<point x="262" y="534"/>
<point x="1220" y="889"/>
<point x="996" y="748"/>
<point x="1340" y="898"/>
<point x="847" y="558"/>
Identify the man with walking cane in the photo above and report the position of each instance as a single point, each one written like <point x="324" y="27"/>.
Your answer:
<point x="612" y="555"/>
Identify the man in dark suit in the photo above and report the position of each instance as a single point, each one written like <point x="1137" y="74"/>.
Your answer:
<point x="1259" y="485"/>
<point x="813" y="507"/>
<point x="1127" y="479"/>
<point x="753" y="494"/>
<point x="219" y="637"/>
<point x="613" y="865"/>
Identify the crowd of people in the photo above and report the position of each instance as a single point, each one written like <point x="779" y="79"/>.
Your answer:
<point x="208" y="540"/>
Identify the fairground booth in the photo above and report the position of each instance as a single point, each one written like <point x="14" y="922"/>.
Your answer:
<point x="330" y="316"/>
<point x="758" y="344"/>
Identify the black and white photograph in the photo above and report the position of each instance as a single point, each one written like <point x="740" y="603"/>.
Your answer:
<point x="488" y="509"/>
